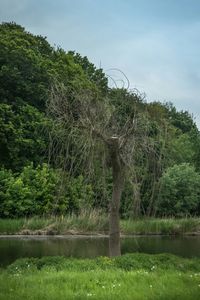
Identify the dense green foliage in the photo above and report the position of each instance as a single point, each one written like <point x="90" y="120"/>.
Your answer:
<point x="165" y="176"/>
<point x="179" y="191"/>
<point x="23" y="133"/>
<point x="35" y="192"/>
<point x="135" y="276"/>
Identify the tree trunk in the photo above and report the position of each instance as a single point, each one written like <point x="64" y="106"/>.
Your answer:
<point x="136" y="201"/>
<point x="114" y="219"/>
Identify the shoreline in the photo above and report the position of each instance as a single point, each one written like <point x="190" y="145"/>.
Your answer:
<point x="97" y="225"/>
<point x="96" y="235"/>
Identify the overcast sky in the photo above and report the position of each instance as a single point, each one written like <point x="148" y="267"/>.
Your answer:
<point x="156" y="43"/>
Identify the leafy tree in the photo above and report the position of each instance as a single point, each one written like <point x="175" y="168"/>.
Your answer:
<point x="179" y="191"/>
<point x="183" y="149"/>
<point x="28" y="66"/>
<point x="172" y="145"/>
<point x="93" y="74"/>
<point x="23" y="136"/>
<point x="24" y="64"/>
<point x="180" y="119"/>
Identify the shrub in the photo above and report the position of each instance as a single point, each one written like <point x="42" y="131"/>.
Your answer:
<point x="180" y="191"/>
<point x="42" y="190"/>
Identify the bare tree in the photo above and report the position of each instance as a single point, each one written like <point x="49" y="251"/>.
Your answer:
<point x="95" y="124"/>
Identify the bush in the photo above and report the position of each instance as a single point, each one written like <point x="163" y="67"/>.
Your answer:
<point x="39" y="191"/>
<point x="180" y="191"/>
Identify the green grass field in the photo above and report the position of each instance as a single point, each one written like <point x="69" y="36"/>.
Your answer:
<point x="135" y="276"/>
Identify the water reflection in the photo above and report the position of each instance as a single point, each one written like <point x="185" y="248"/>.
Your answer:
<point x="12" y="248"/>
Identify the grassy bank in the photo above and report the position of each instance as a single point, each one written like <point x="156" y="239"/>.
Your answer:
<point x="161" y="226"/>
<point x="95" y="222"/>
<point x="135" y="276"/>
<point x="86" y="222"/>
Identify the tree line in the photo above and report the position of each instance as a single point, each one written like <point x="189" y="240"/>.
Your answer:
<point x="50" y="163"/>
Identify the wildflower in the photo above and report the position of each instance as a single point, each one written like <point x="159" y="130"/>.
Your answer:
<point x="150" y="286"/>
<point x="89" y="294"/>
<point x="103" y="287"/>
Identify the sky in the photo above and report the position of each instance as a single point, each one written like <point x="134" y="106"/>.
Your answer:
<point x="155" y="43"/>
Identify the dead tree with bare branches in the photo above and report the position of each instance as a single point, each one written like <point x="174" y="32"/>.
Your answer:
<point x="95" y="124"/>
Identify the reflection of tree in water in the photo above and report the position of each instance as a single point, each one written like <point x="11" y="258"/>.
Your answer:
<point x="13" y="248"/>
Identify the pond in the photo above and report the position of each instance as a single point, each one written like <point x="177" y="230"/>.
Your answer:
<point x="12" y="248"/>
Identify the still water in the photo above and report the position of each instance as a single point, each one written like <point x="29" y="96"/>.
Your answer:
<point x="12" y="248"/>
